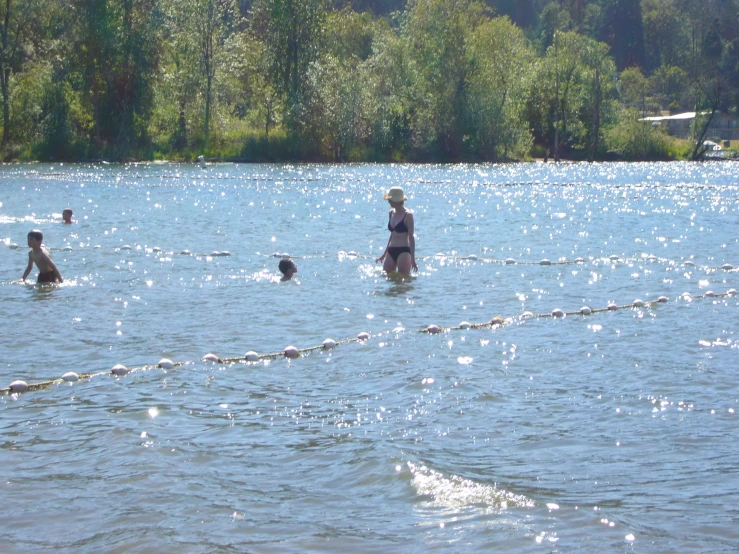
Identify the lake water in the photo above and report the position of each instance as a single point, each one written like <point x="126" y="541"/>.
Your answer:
<point x="613" y="432"/>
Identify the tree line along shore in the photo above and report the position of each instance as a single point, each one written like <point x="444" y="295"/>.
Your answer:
<point x="366" y="80"/>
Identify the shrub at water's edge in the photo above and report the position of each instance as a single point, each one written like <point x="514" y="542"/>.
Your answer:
<point x="634" y="140"/>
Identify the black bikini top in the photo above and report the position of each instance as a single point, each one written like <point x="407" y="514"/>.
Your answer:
<point x="400" y="227"/>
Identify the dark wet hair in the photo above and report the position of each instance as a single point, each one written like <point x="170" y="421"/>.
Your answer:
<point x="285" y="265"/>
<point x="65" y="210"/>
<point x="36" y="234"/>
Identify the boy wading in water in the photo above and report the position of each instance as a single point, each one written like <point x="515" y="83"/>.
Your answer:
<point x="48" y="273"/>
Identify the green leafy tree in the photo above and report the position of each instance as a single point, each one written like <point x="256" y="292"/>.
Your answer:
<point x="200" y="30"/>
<point x="598" y="86"/>
<point x="251" y="66"/>
<point x="394" y="95"/>
<point x="623" y="30"/>
<point x="501" y="61"/>
<point x="634" y="88"/>
<point x="293" y="33"/>
<point x="552" y="19"/>
<point x="19" y="25"/>
<point x="665" y="34"/>
<point x="559" y="74"/>
<point x="112" y="56"/>
<point x="436" y="32"/>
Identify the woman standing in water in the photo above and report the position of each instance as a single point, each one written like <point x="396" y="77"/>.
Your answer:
<point x="400" y="252"/>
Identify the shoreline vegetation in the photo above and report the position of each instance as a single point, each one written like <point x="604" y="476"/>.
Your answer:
<point x="407" y="81"/>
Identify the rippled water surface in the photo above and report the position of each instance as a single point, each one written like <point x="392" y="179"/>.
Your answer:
<point x="613" y="432"/>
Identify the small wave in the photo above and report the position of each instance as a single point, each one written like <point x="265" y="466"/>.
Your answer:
<point x="456" y="492"/>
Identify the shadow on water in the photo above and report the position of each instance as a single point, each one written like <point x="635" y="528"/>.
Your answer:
<point x="400" y="284"/>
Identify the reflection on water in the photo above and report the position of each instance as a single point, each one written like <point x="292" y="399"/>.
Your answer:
<point x="573" y="433"/>
<point x="399" y="284"/>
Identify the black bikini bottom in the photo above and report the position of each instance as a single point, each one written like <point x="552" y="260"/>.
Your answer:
<point x="396" y="251"/>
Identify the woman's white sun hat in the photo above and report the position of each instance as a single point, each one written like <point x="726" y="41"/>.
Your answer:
<point x="395" y="194"/>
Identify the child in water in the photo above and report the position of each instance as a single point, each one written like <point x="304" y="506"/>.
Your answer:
<point x="288" y="269"/>
<point x="48" y="273"/>
<point x="67" y="216"/>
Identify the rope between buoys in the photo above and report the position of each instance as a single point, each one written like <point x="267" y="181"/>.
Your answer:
<point x="328" y="344"/>
<point x="613" y="259"/>
<point x="556" y="313"/>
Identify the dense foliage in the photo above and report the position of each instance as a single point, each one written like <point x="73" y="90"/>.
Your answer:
<point x="334" y="80"/>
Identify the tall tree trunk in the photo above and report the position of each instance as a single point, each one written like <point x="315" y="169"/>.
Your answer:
<point x="596" y="116"/>
<point x="6" y="105"/>
<point x="5" y="74"/>
<point x="699" y="149"/>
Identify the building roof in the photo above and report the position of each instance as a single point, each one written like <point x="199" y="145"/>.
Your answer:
<point x="679" y="116"/>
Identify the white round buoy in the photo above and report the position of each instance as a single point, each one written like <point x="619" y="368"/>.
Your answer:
<point x="465" y="325"/>
<point x="284" y="255"/>
<point x="156" y="249"/>
<point x="686" y="295"/>
<point x="71" y="376"/>
<point x="710" y="294"/>
<point x="612" y="306"/>
<point x="166" y="363"/>
<point x="662" y="299"/>
<point x="328" y="344"/>
<point x="613" y="257"/>
<point x="545" y="261"/>
<point x="638" y="303"/>
<point x="251" y="356"/>
<point x="126" y="247"/>
<point x="119" y="369"/>
<point x="291" y="352"/>
<point x="13" y="246"/>
<point x="67" y="249"/>
<point x="398" y="329"/>
<point x="731" y="292"/>
<point x="579" y="260"/>
<point x="527" y="315"/>
<point x="510" y="261"/>
<point x="97" y="246"/>
<point x="185" y="253"/>
<point x="215" y="253"/>
<point x="433" y="329"/>
<point x="210" y="357"/>
<point x="727" y="267"/>
<point x="652" y="257"/>
<point x="363" y="335"/>
<point x="472" y="257"/>
<point x="585" y="310"/>
<point x="497" y="320"/>
<point x="18" y="386"/>
<point x="688" y="263"/>
<point x="556" y="312"/>
<point x="224" y="253"/>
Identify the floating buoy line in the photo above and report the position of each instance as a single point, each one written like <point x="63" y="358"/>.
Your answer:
<point x="499" y="321"/>
<point x="341" y="254"/>
<point x="292" y="352"/>
<point x="215" y="173"/>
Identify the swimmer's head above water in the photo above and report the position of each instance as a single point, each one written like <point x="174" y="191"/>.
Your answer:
<point x="67" y="216"/>
<point x="288" y="268"/>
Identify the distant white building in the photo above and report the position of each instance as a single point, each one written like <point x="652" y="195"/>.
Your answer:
<point x="723" y="126"/>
